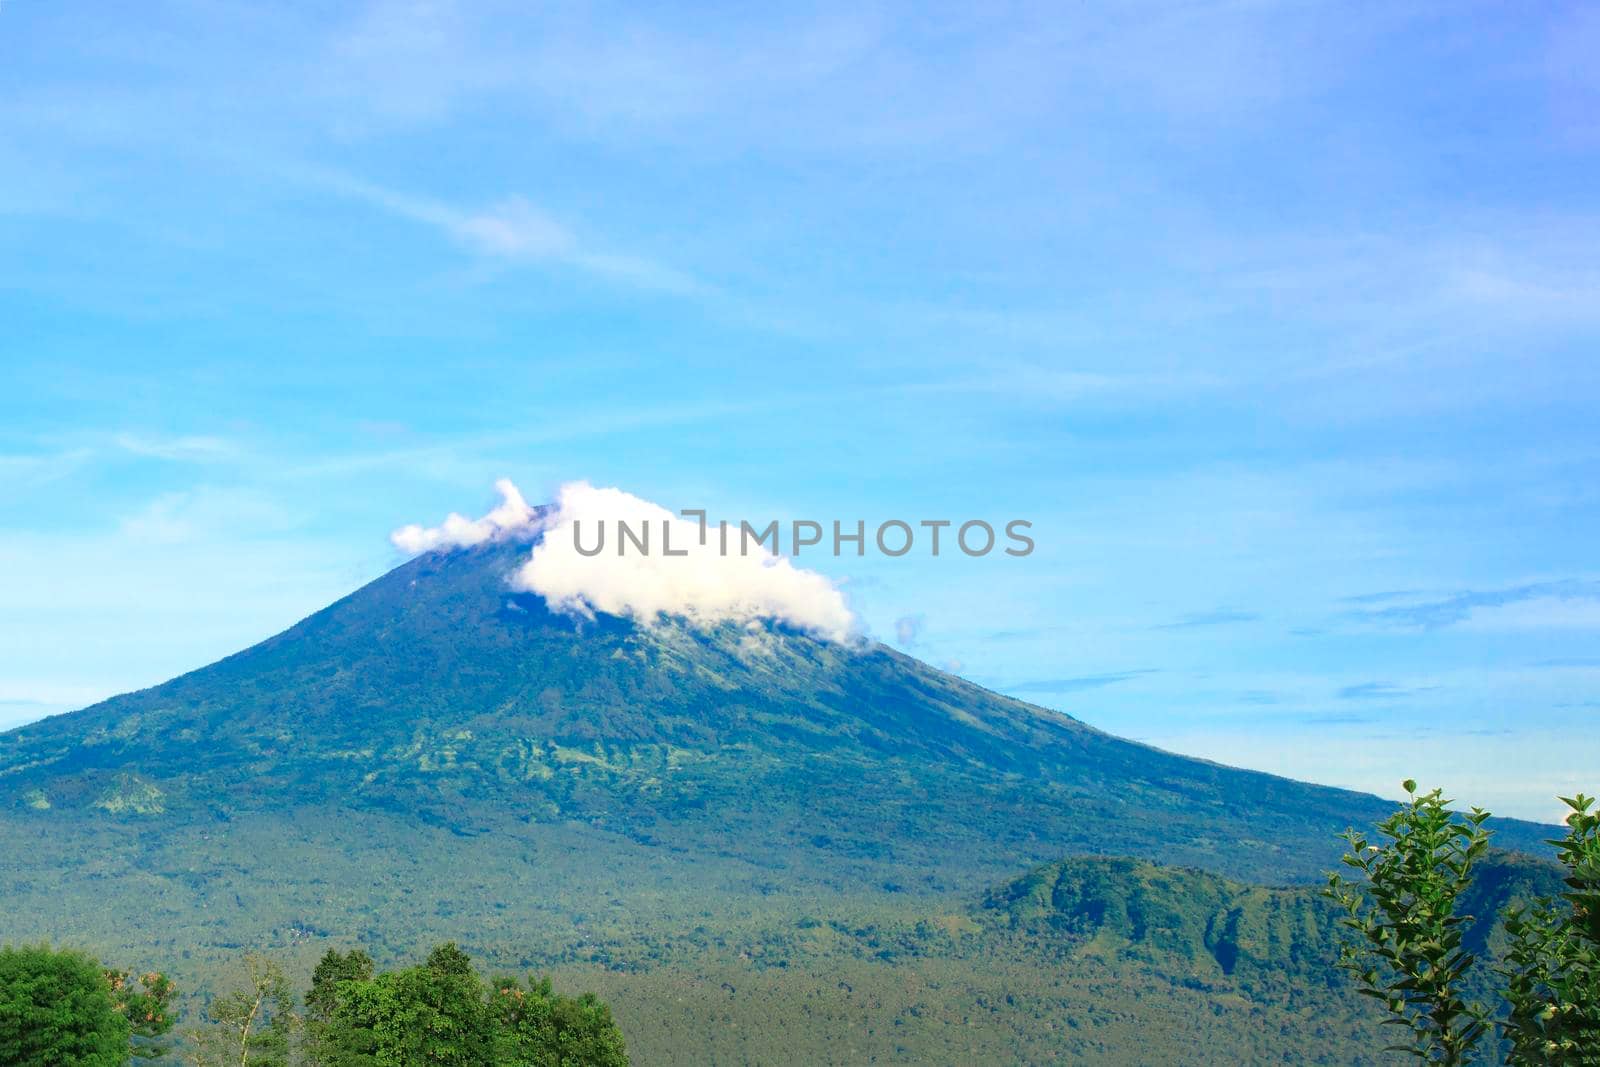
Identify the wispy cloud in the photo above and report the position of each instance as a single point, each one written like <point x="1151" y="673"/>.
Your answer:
<point x="183" y="516"/>
<point x="1384" y="596"/>
<point x="180" y="448"/>
<point x="31" y="469"/>
<point x="1220" y="617"/>
<point x="1380" y="691"/>
<point x="1543" y="293"/>
<point x="461" y="458"/>
<point x="1337" y="720"/>
<point x="1049" y="385"/>
<point x="1076" y="684"/>
<point x="513" y="230"/>
<point x="38" y="469"/>
<point x="1555" y="604"/>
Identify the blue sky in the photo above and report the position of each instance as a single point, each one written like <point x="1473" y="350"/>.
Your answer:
<point x="1278" y="321"/>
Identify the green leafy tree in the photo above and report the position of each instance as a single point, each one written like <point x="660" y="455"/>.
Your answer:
<point x="146" y="1002"/>
<point x="449" y="959"/>
<point x="323" y="1046"/>
<point x="442" y="1014"/>
<point x="540" y="1028"/>
<point x="1408" y="952"/>
<point x="434" y="1015"/>
<point x="56" y="1008"/>
<point x="250" y="1026"/>
<point x="1552" y="968"/>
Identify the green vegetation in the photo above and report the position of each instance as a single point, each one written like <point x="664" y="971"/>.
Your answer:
<point x="1412" y="950"/>
<point x="1553" y="964"/>
<point x="147" y="1003"/>
<point x="251" y="1024"/>
<point x="1404" y="907"/>
<point x="1256" y="937"/>
<point x="1099" y="959"/>
<point x="323" y="1045"/>
<point x="539" y="1028"/>
<point x="442" y="1013"/>
<point x="61" y="1007"/>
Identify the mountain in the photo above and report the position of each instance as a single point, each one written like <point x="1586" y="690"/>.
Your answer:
<point x="436" y="756"/>
<point x="1219" y="927"/>
<point x="436" y="692"/>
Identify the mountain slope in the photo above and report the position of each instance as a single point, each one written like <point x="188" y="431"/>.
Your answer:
<point x="437" y="693"/>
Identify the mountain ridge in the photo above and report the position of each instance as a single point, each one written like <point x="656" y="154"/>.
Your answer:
<point x="438" y="689"/>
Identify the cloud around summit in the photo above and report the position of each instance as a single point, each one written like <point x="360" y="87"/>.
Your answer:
<point x="513" y="516"/>
<point x="702" y="584"/>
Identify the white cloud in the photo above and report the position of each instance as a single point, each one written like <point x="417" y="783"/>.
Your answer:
<point x="193" y="514"/>
<point x="513" y="231"/>
<point x="187" y="447"/>
<point x="29" y="470"/>
<point x="513" y="517"/>
<point x="1537" y="613"/>
<point x="514" y="228"/>
<point x="701" y="584"/>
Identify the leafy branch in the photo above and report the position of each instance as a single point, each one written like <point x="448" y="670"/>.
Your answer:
<point x="1403" y="907"/>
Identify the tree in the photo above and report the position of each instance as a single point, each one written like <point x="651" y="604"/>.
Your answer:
<point x="147" y="1005"/>
<point x="449" y="959"/>
<point x="540" y="1028"/>
<point x="323" y="1046"/>
<point x="56" y="1008"/>
<point x="1408" y="954"/>
<point x="431" y="1015"/>
<point x="250" y="1026"/>
<point x="439" y="1014"/>
<point x="1552" y="968"/>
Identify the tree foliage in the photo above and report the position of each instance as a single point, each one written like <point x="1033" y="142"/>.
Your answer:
<point x="441" y="1013"/>
<point x="146" y="1002"/>
<point x="322" y="1045"/>
<point x="420" y="1015"/>
<point x="56" y="1008"/>
<point x="63" y="1009"/>
<point x="1408" y="953"/>
<point x="1552" y="968"/>
<point x="540" y="1028"/>
<point x="251" y="1025"/>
